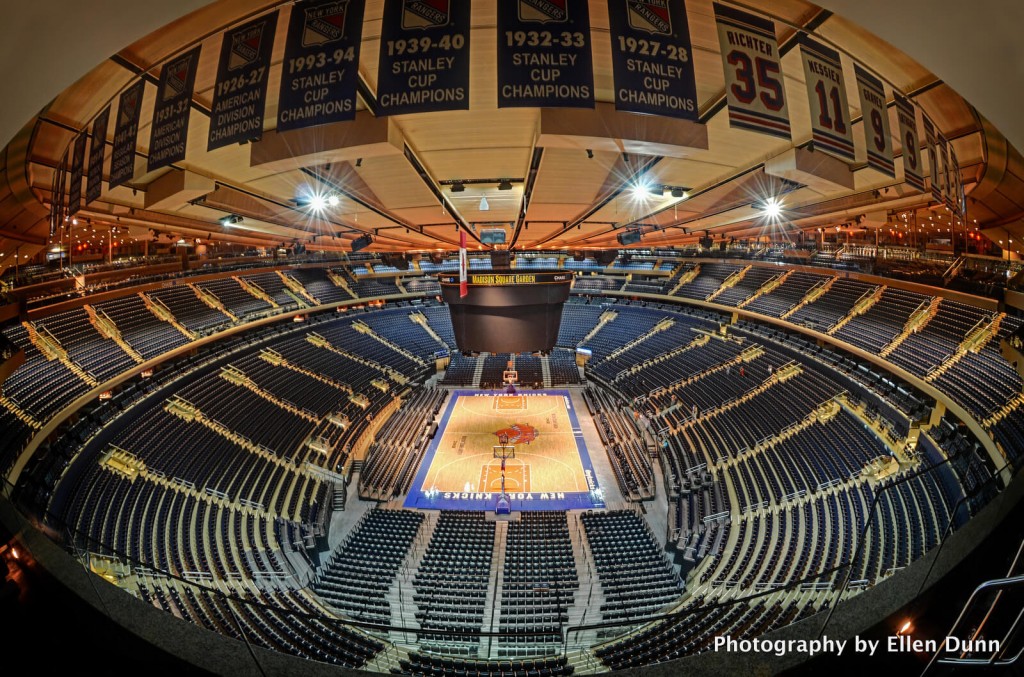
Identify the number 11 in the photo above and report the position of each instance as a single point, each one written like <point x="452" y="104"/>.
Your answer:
<point x="837" y="104"/>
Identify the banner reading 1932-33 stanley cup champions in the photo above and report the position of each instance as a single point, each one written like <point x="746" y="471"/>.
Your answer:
<point x="875" y="117"/>
<point x="652" y="58"/>
<point x="97" y="145"/>
<point x="544" y="54"/>
<point x="126" y="133"/>
<point x="240" y="92"/>
<point x="169" y="135"/>
<point x="424" y="56"/>
<point x="320" y="72"/>
<point x="753" y="72"/>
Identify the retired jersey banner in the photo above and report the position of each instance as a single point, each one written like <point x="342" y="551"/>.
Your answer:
<point x="77" y="169"/>
<point x="463" y="266"/>
<point x="424" y="56"/>
<point x="240" y="93"/>
<point x="912" y="172"/>
<point x="753" y="72"/>
<point x="948" y="193"/>
<point x="97" y="146"/>
<point x="321" y="64"/>
<point x="544" y="54"/>
<point x="958" y="185"/>
<point x="875" y="120"/>
<point x="652" y="58"/>
<point x="169" y="133"/>
<point x="831" y="130"/>
<point x="126" y="133"/>
<point x="933" y="159"/>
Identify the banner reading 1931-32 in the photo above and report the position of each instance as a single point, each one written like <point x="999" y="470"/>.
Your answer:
<point x="424" y="56"/>
<point x="910" y="141"/>
<point x="126" y="132"/>
<point x="831" y="129"/>
<point x="171" y="114"/>
<point x="321" y="64"/>
<point x="77" y="167"/>
<point x="544" y="54"/>
<point x="651" y="58"/>
<point x="753" y="72"/>
<point x="875" y="117"/>
<point x="97" y="145"/>
<point x="240" y="93"/>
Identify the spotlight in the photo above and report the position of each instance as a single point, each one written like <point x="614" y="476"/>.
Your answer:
<point x="505" y="185"/>
<point x="771" y="208"/>
<point x="640" y="189"/>
<point x="359" y="162"/>
<point x="361" y="243"/>
<point x="590" y="154"/>
<point x="680" y="192"/>
<point x="458" y="187"/>
<point x="230" y="220"/>
<point x="484" y="207"/>
<point x="333" y="200"/>
<point x="317" y="203"/>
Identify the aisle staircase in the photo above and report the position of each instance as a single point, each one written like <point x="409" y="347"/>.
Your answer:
<point x="766" y="288"/>
<point x="51" y="349"/>
<point x="340" y="281"/>
<point x="321" y="342"/>
<point x="812" y="295"/>
<point x="255" y="290"/>
<point x="107" y="328"/>
<point x="236" y="376"/>
<point x="729" y="282"/>
<point x="212" y="300"/>
<point x="164" y="314"/>
<point x="977" y="338"/>
<point x="686" y="278"/>
<point x="917" y="321"/>
<point x="364" y="328"/>
<point x="860" y="306"/>
<point x="297" y="290"/>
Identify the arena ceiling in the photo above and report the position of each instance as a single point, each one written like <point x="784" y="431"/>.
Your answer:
<point x="571" y="171"/>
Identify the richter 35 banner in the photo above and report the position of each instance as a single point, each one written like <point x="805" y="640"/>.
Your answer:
<point x="544" y="54"/>
<point x="753" y="72"/>
<point x="910" y="141"/>
<point x="126" y="133"/>
<point x="240" y="93"/>
<point x="875" y="116"/>
<point x="171" y="114"/>
<point x="831" y="129"/>
<point x="424" y="56"/>
<point x="652" y="58"/>
<point x="97" y="145"/>
<point x="321" y="64"/>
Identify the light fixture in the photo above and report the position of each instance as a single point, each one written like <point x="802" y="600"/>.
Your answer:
<point x="458" y="187"/>
<point x="333" y="200"/>
<point x="505" y="185"/>
<point x="230" y="220"/>
<point x="317" y="203"/>
<point x="680" y="193"/>
<point x="640" y="189"/>
<point x="771" y="208"/>
<point x="590" y="154"/>
<point x="484" y="207"/>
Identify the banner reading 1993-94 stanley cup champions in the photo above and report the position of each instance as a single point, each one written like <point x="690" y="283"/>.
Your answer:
<point x="424" y="56"/>
<point x="320" y="72"/>
<point x="875" y="116"/>
<point x="97" y="146"/>
<point x="240" y="92"/>
<point x="831" y="128"/>
<point x="912" y="172"/>
<point x="544" y="54"/>
<point x="169" y="134"/>
<point x="753" y="72"/>
<point x="126" y="133"/>
<point x="652" y="58"/>
<point x="77" y="165"/>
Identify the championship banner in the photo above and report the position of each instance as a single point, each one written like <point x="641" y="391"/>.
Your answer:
<point x="126" y="132"/>
<point x="240" y="92"/>
<point x="424" y="56"/>
<point x="77" y="167"/>
<point x="912" y="173"/>
<point x="321" y="64"/>
<point x="544" y="54"/>
<point x="753" y="72"/>
<point x="463" y="266"/>
<point x="651" y="58"/>
<point x="831" y="130"/>
<point x="875" y="120"/>
<point x="57" y="197"/>
<point x="171" y="114"/>
<point x="958" y="185"/>
<point x="97" y="147"/>
<point x="933" y="157"/>
<point x="948" y="193"/>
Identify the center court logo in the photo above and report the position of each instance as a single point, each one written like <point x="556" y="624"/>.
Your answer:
<point x="425" y="13"/>
<point x="324" y="24"/>
<point x="517" y="432"/>
<point x="650" y="16"/>
<point x="543" y="11"/>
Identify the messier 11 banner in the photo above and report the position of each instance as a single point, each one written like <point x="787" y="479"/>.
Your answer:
<point x="753" y="72"/>
<point x="652" y="58"/>
<point x="169" y="134"/>
<point x="424" y="56"/>
<point x="910" y="141"/>
<point x="97" y="144"/>
<point x="77" y="166"/>
<point x="544" y="54"/>
<point x="831" y="129"/>
<point x="126" y="133"/>
<point x="321" y="64"/>
<point x="240" y="93"/>
<point x="875" y="117"/>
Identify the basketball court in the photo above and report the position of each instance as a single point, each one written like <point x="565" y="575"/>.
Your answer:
<point x="531" y="439"/>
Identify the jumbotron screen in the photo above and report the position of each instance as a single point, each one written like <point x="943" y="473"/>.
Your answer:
<point x="507" y="312"/>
